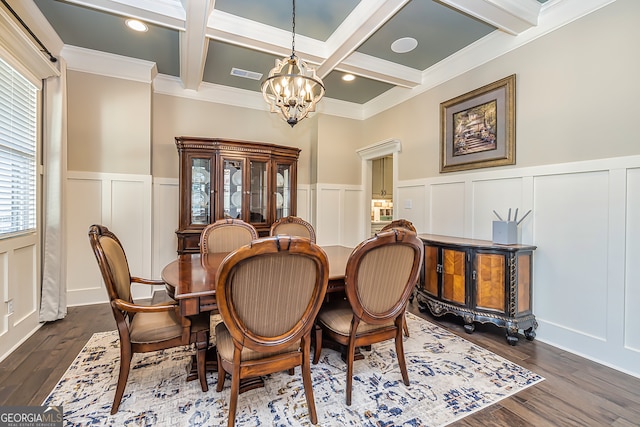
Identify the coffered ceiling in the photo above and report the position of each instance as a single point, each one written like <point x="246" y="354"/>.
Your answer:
<point x="200" y="42"/>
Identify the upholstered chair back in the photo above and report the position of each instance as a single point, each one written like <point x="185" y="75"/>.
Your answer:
<point x="271" y="291"/>
<point x="226" y="235"/>
<point x="381" y="274"/>
<point x="293" y="226"/>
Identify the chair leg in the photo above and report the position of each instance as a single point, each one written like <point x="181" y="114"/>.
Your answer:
<point x="318" y="343"/>
<point x="404" y="326"/>
<point x="221" y="374"/>
<point x="401" y="360"/>
<point x="350" y="356"/>
<point x="233" y="397"/>
<point x="202" y="343"/>
<point x="125" y="364"/>
<point x="306" y="380"/>
<point x="351" y="351"/>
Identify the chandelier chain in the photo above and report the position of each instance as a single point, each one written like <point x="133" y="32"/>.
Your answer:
<point x="293" y="31"/>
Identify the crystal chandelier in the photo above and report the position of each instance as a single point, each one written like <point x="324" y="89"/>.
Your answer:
<point x="292" y="88"/>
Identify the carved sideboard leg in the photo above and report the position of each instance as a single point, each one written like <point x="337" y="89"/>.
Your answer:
<point x="512" y="334"/>
<point x="530" y="334"/>
<point x="469" y="326"/>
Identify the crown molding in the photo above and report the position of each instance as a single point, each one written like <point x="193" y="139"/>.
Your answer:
<point x="108" y="64"/>
<point x="209" y="92"/>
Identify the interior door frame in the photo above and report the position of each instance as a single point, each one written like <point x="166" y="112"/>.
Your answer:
<point x="384" y="148"/>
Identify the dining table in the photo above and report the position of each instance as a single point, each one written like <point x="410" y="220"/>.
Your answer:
<point x="191" y="281"/>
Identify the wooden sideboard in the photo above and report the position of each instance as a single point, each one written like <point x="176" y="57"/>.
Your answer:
<point x="479" y="281"/>
<point x="221" y="178"/>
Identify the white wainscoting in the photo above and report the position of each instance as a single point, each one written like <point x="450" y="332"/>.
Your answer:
<point x="338" y="214"/>
<point x="585" y="221"/>
<point x="20" y="284"/>
<point x="122" y="202"/>
<point x="165" y="222"/>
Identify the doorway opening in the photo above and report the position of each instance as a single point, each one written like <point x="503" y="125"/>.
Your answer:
<point x="379" y="175"/>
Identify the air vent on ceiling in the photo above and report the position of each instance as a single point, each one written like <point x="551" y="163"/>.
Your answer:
<point x="246" y="74"/>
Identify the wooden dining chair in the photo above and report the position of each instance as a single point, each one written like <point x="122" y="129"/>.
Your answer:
<point x="293" y="226"/>
<point x="408" y="225"/>
<point x="269" y="294"/>
<point x="226" y="235"/>
<point x="142" y="328"/>
<point x="381" y="273"/>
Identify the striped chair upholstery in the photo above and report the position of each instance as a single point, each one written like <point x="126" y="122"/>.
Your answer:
<point x="380" y="276"/>
<point x="401" y="223"/>
<point x="293" y="226"/>
<point x="226" y="235"/>
<point x="268" y="295"/>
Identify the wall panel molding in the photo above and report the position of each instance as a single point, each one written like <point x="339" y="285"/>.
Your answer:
<point x="122" y="202"/>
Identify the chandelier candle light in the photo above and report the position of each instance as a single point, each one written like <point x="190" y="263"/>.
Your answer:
<point x="292" y="88"/>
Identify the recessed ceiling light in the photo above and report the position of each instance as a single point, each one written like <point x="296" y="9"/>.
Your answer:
<point x="348" y="77"/>
<point x="136" y="25"/>
<point x="404" y="45"/>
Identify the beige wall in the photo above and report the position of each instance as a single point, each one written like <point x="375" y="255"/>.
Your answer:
<point x="109" y="124"/>
<point x="576" y="91"/>
<point x="175" y="116"/>
<point x="338" y="139"/>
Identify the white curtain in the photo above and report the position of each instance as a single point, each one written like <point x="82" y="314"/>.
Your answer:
<point x="53" y="304"/>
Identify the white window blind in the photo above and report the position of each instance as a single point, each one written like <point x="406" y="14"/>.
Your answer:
<point x="18" y="131"/>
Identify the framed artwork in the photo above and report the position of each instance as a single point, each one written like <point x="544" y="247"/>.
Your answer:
<point x="477" y="129"/>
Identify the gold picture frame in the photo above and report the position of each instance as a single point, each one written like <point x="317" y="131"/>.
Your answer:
<point x="477" y="129"/>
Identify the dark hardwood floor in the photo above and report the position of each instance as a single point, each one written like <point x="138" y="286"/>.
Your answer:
<point x="576" y="391"/>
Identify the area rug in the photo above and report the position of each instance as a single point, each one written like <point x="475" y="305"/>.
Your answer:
<point x="450" y="379"/>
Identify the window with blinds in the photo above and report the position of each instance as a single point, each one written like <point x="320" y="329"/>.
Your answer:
<point x="18" y="131"/>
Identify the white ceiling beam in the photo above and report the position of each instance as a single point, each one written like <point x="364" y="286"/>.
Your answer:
<point x="512" y="17"/>
<point x="193" y="42"/>
<point x="254" y="35"/>
<point x="165" y="13"/>
<point x="381" y="70"/>
<point x="361" y="23"/>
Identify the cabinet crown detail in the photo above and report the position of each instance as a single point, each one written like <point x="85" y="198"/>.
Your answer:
<point x="225" y="178"/>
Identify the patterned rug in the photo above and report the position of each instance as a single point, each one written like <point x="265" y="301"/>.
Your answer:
<point x="450" y="379"/>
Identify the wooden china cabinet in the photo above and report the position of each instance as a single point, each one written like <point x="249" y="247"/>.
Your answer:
<point x="222" y="178"/>
<point x="480" y="281"/>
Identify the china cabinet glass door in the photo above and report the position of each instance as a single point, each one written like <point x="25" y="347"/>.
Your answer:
<point x="258" y="199"/>
<point x="283" y="195"/>
<point x="201" y="208"/>
<point x="232" y="181"/>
